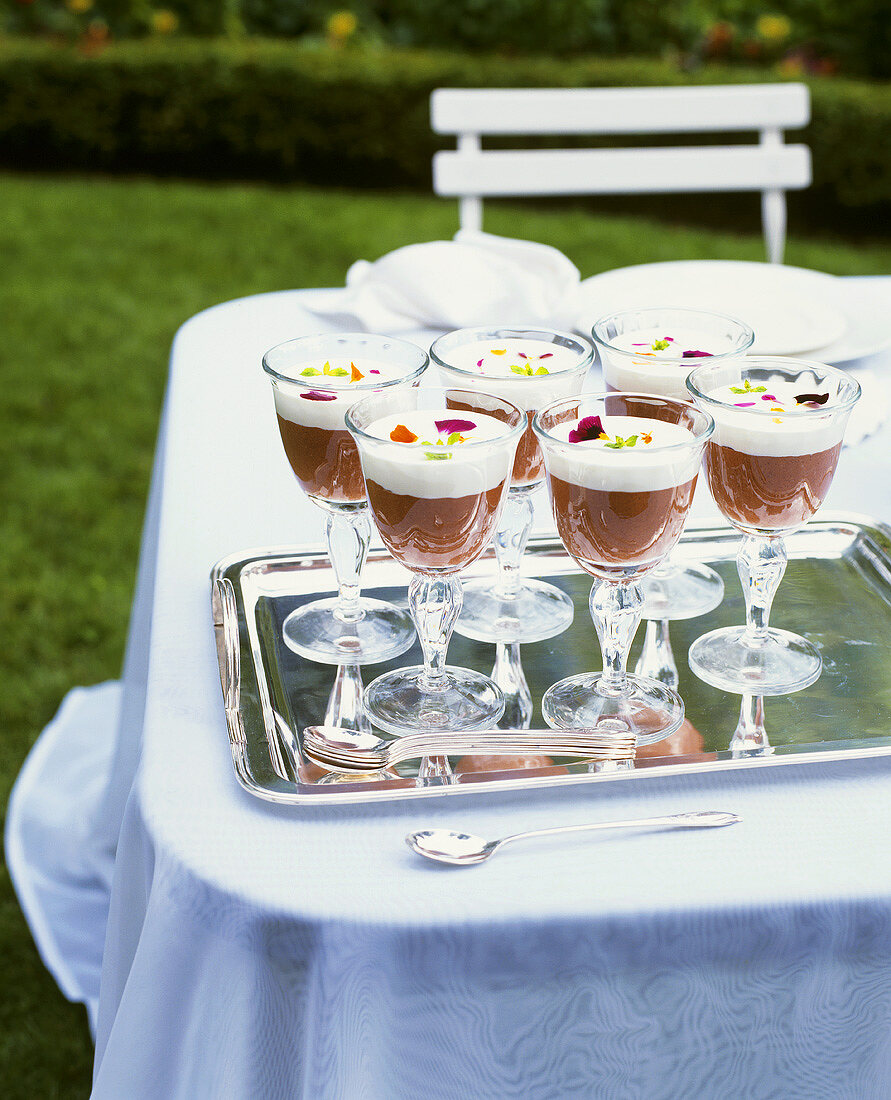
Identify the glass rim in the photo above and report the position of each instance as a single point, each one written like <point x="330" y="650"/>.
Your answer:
<point x="510" y="332"/>
<point x="515" y="429"/>
<point x="701" y="437"/>
<point x="780" y="361"/>
<point x="740" y="348"/>
<point x="317" y="383"/>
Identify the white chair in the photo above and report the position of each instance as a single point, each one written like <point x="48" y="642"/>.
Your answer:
<point x="770" y="166"/>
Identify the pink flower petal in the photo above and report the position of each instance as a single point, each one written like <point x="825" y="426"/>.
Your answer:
<point x="447" y="427"/>
<point x="314" y="395"/>
<point x="589" y="427"/>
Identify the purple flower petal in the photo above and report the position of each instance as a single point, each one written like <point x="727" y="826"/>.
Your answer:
<point x="448" y="427"/>
<point x="373" y="371"/>
<point x="314" y="395"/>
<point x="767" y="397"/>
<point x="589" y="427"/>
<point x="744" y="404"/>
<point x="695" y="354"/>
<point x="547" y="355"/>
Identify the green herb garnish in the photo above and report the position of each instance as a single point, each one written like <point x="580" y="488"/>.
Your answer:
<point x="619" y="442"/>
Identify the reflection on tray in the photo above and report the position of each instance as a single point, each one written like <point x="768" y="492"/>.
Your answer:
<point x="837" y="592"/>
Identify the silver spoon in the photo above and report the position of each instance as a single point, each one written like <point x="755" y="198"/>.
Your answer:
<point x="463" y="849"/>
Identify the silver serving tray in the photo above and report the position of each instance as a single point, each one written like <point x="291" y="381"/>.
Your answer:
<point x="837" y="592"/>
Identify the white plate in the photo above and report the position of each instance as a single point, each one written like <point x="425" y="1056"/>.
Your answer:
<point x="792" y="310"/>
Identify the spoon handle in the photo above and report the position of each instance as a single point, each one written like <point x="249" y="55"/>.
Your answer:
<point x="701" y="820"/>
<point x="554" y="742"/>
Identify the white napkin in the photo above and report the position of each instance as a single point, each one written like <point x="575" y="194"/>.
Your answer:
<point x="475" y="279"/>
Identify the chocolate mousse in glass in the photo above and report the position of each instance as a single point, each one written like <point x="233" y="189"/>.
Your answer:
<point x="653" y="351"/>
<point x="621" y="470"/>
<point x="779" y="425"/>
<point x="314" y="380"/>
<point x="531" y="368"/>
<point x="437" y="465"/>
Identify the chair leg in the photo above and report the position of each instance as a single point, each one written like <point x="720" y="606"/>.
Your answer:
<point x="773" y="219"/>
<point x="470" y="212"/>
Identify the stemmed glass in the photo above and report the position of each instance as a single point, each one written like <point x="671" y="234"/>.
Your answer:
<point x="653" y="350"/>
<point x="314" y="380"/>
<point x="531" y="368"/>
<point x="621" y="469"/>
<point x="437" y="465"/>
<point x="779" y="425"/>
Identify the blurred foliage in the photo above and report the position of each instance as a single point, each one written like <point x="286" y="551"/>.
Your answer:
<point x="794" y="36"/>
<point x="359" y="117"/>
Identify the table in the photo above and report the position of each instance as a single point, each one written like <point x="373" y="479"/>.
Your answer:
<point x="261" y="951"/>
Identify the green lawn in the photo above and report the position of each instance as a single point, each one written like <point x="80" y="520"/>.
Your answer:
<point x="99" y="274"/>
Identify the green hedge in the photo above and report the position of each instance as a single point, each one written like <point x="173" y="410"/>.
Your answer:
<point x="357" y="118"/>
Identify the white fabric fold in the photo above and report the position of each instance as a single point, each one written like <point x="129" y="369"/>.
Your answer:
<point x="476" y="279"/>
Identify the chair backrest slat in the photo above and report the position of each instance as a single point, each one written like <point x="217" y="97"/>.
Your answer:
<point x="620" y="171"/>
<point x="618" y="110"/>
<point x="770" y="166"/>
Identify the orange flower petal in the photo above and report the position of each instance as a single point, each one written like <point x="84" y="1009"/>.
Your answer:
<point x="401" y="434"/>
<point x="355" y="374"/>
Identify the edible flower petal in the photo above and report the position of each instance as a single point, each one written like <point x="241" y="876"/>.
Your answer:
<point x="315" y="395"/>
<point x="768" y="397"/>
<point x="696" y="354"/>
<point x="355" y="374"/>
<point x="401" y="434"/>
<point x="659" y="345"/>
<point x="747" y="387"/>
<point x="450" y="426"/>
<point x="812" y="398"/>
<point x="334" y="372"/>
<point x="309" y="372"/>
<point x="498" y="351"/>
<point x="743" y="404"/>
<point x="373" y="371"/>
<point x="589" y="427"/>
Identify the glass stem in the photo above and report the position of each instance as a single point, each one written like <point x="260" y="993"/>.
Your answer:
<point x="348" y="534"/>
<point x="750" y="737"/>
<point x="434" y="600"/>
<point x="761" y="563"/>
<point x="508" y="674"/>
<point x="510" y="541"/>
<point x="615" y="608"/>
<point x="345" y="706"/>
<point x="656" y="659"/>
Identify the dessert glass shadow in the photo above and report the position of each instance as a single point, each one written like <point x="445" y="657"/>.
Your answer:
<point x="621" y="472"/>
<point x="531" y="368"/>
<point x="314" y="380"/>
<point x="779" y="425"/>
<point x="437" y="465"/>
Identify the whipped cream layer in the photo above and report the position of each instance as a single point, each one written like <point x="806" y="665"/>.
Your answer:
<point x="405" y="469"/>
<point x="295" y="402"/>
<point x="499" y="367"/>
<point x="655" y="360"/>
<point x="643" y="467"/>
<point x="771" y="422"/>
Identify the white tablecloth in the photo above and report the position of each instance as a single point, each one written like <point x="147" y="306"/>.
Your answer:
<point x="254" y="950"/>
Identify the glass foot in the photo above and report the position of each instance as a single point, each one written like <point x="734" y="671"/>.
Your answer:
<point x="538" y="611"/>
<point x="676" y="591"/>
<point x="784" y="662"/>
<point x="315" y="632"/>
<point x="402" y="702"/>
<point x="650" y="709"/>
